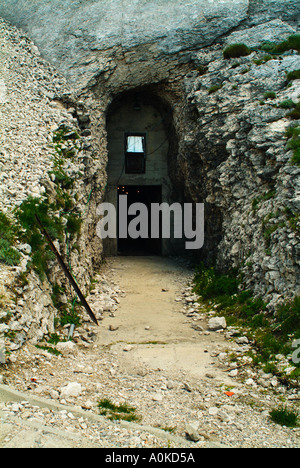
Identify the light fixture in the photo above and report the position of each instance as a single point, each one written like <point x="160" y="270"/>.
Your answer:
<point x="137" y="106"/>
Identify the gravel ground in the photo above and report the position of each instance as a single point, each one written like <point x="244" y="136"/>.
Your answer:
<point x="198" y="410"/>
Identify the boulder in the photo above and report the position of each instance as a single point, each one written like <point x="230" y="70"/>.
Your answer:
<point x="217" y="323"/>
<point x="73" y="389"/>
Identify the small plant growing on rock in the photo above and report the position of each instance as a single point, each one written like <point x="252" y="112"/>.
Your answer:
<point x="295" y="113"/>
<point x="270" y="95"/>
<point x="293" y="133"/>
<point x="8" y="254"/>
<point x="236" y="51"/>
<point x="292" y="43"/>
<point x="284" y="417"/>
<point x="117" y="412"/>
<point x="287" y="104"/>
<point x="294" y="75"/>
<point x="214" y="89"/>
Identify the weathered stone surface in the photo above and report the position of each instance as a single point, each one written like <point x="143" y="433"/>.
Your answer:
<point x="217" y="323"/>
<point x="237" y="147"/>
<point x="30" y="113"/>
<point x="261" y="11"/>
<point x="273" y="31"/>
<point x="73" y="389"/>
<point x="74" y="34"/>
<point x="226" y="134"/>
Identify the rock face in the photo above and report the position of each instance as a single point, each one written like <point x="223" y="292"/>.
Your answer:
<point x="227" y="129"/>
<point x="81" y="37"/>
<point x="74" y="35"/>
<point x="31" y="111"/>
<point x="237" y="148"/>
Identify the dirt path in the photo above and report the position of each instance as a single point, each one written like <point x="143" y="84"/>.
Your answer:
<point x="152" y="351"/>
<point x="150" y="320"/>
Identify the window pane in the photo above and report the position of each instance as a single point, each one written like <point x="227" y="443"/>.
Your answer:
<point x="135" y="144"/>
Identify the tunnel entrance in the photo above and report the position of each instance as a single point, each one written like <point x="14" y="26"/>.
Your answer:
<point x="146" y="195"/>
<point x="142" y="154"/>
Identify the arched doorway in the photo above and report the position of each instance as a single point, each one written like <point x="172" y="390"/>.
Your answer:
<point x="140" y="148"/>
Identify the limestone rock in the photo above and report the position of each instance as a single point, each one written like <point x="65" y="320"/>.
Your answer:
<point x="73" y="389"/>
<point x="171" y="25"/>
<point x="217" y="323"/>
<point x="274" y="31"/>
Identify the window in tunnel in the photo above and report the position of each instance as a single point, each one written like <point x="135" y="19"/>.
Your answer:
<point x="135" y="153"/>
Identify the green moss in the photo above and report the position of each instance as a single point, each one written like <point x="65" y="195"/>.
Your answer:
<point x="270" y="95"/>
<point x="215" y="88"/>
<point x="271" y="334"/>
<point x="265" y="197"/>
<point x="117" y="412"/>
<point x="292" y="43"/>
<point x="236" y="51"/>
<point x="25" y="214"/>
<point x="8" y="254"/>
<point x="294" y="75"/>
<point x="284" y="417"/>
<point x="264" y="59"/>
<point x="293" y="219"/>
<point x="293" y="133"/>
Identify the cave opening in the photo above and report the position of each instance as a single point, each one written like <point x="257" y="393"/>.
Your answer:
<point x="142" y="152"/>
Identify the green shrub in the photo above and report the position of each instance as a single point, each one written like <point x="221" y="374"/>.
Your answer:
<point x="292" y="43"/>
<point x="41" y="253"/>
<point x="288" y="317"/>
<point x="62" y="179"/>
<point x="70" y="317"/>
<point x="236" y="51"/>
<point x="287" y="104"/>
<point x="295" y="161"/>
<point x="8" y="254"/>
<point x="271" y="334"/>
<point x="284" y="417"/>
<point x="294" y="75"/>
<point x="270" y="95"/>
<point x="268" y="46"/>
<point x="8" y="231"/>
<point x="295" y="113"/>
<point x="74" y="223"/>
<point x="117" y="412"/>
<point x="293" y="133"/>
<point x="209" y="284"/>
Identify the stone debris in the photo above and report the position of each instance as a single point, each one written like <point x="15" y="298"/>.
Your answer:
<point x="217" y="323"/>
<point x="199" y="411"/>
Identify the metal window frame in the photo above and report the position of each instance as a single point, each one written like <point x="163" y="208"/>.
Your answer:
<point x="141" y="155"/>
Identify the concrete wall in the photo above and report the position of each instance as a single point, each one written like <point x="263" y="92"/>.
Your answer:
<point x="147" y="120"/>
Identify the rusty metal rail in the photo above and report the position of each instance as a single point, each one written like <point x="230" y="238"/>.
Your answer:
<point x="67" y="272"/>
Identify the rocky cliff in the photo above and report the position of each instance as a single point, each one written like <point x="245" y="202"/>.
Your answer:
<point x="233" y="127"/>
<point x="82" y="37"/>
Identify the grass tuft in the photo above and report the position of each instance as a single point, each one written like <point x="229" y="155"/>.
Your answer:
<point x="284" y="417"/>
<point x="117" y="412"/>
<point x="8" y="254"/>
<point x="236" y="51"/>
